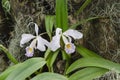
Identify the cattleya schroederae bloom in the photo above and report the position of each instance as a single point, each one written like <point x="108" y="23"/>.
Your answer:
<point x="37" y="43"/>
<point x="67" y="39"/>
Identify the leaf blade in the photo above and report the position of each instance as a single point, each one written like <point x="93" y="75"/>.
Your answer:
<point x="49" y="22"/>
<point x="94" y="62"/>
<point x="26" y="69"/>
<point x="83" y="6"/>
<point x="4" y="74"/>
<point x="88" y="73"/>
<point x="61" y="14"/>
<point x="49" y="76"/>
<point x="51" y="59"/>
<point x="85" y="52"/>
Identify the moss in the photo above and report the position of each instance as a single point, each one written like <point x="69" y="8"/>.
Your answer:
<point x="111" y="75"/>
<point x="19" y="28"/>
<point x="102" y="35"/>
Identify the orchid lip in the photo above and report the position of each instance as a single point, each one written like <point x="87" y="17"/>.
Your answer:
<point x="70" y="48"/>
<point x="29" y="52"/>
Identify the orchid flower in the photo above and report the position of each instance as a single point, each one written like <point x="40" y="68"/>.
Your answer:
<point x="37" y="43"/>
<point x="67" y="39"/>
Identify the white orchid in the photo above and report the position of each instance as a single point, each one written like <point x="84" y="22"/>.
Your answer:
<point x="67" y="39"/>
<point x="37" y="43"/>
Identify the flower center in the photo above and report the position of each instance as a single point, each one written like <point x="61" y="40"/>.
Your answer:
<point x="68" y="46"/>
<point x="30" y="49"/>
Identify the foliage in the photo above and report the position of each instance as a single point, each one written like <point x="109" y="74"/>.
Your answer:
<point x="6" y="5"/>
<point x="49" y="76"/>
<point x="61" y="14"/>
<point x="23" y="70"/>
<point x="88" y="73"/>
<point x="90" y="66"/>
<point x="94" y="62"/>
<point x="8" y="54"/>
<point x="49" y="22"/>
<point x="83" y="6"/>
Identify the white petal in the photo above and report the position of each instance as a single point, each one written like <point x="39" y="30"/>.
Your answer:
<point x="58" y="31"/>
<point x="26" y="38"/>
<point x="65" y="40"/>
<point x="36" y="28"/>
<point x="73" y="33"/>
<point x="41" y="43"/>
<point x="33" y="43"/>
<point x="55" y="43"/>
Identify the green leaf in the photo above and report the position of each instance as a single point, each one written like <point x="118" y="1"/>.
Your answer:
<point x="61" y="14"/>
<point x="49" y="22"/>
<point x="47" y="53"/>
<point x="49" y="76"/>
<point x="94" y="62"/>
<point x="52" y="58"/>
<point x="85" y="52"/>
<point x="83" y="6"/>
<point x="26" y="69"/>
<point x="6" y="5"/>
<point x="89" y="73"/>
<point x="9" y="55"/>
<point x="4" y="74"/>
<point x="82" y="22"/>
<point x="67" y="58"/>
